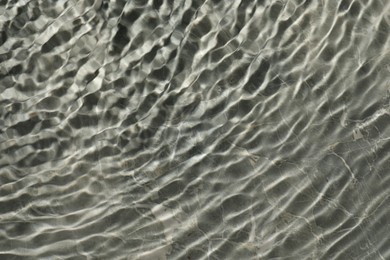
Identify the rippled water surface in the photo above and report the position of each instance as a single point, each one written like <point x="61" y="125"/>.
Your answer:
<point x="169" y="129"/>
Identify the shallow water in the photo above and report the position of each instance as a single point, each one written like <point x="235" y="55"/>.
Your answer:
<point x="194" y="129"/>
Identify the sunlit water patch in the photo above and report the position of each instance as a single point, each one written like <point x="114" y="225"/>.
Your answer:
<point x="194" y="129"/>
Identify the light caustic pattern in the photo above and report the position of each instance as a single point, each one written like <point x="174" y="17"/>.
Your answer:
<point x="169" y="129"/>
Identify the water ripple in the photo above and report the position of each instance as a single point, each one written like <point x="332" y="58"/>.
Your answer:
<point x="194" y="129"/>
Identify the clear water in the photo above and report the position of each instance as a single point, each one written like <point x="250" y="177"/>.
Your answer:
<point x="172" y="129"/>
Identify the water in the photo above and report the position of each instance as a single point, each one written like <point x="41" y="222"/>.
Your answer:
<point x="194" y="129"/>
